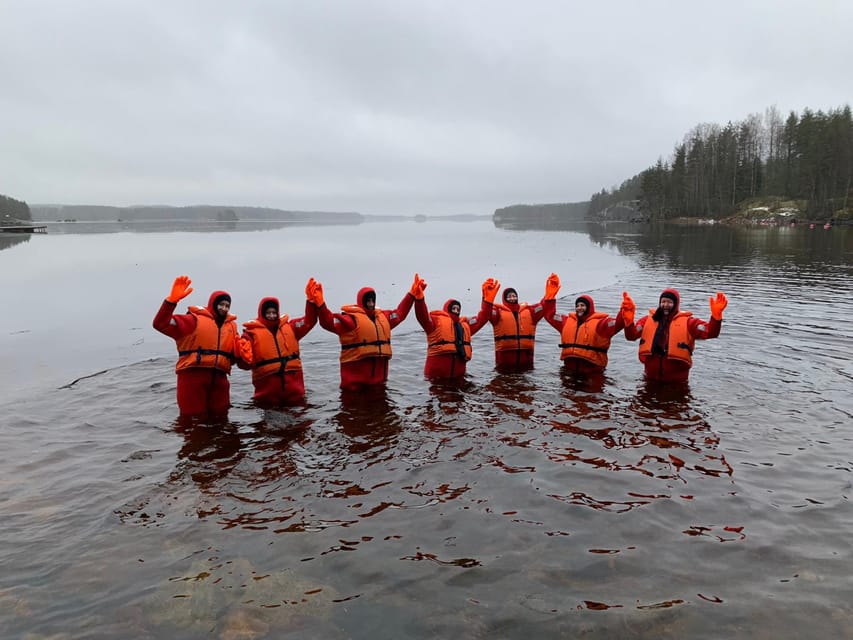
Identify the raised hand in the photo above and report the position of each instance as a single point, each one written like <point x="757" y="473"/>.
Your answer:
<point x="418" y="287"/>
<point x="718" y="304"/>
<point x="628" y="308"/>
<point x="180" y="289"/>
<point x="309" y="288"/>
<point x="317" y="294"/>
<point x="490" y="289"/>
<point x="552" y="286"/>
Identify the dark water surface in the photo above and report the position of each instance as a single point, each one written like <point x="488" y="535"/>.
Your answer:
<point x="516" y="506"/>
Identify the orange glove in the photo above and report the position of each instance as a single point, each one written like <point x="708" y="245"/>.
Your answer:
<point x="418" y="287"/>
<point x="246" y="353"/>
<point x="317" y="294"/>
<point x="628" y="308"/>
<point x="552" y="286"/>
<point x="717" y="305"/>
<point x="490" y="289"/>
<point x="180" y="289"/>
<point x="309" y="288"/>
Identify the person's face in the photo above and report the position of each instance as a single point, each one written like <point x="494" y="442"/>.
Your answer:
<point x="581" y="308"/>
<point x="512" y="297"/>
<point x="222" y="308"/>
<point x="271" y="314"/>
<point x="455" y="309"/>
<point x="666" y="306"/>
<point x="370" y="304"/>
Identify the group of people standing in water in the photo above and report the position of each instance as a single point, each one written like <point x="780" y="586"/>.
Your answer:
<point x="209" y="342"/>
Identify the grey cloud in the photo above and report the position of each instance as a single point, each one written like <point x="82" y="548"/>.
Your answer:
<point x="383" y="106"/>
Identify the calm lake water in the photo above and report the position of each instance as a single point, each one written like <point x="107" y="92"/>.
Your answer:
<point x="517" y="506"/>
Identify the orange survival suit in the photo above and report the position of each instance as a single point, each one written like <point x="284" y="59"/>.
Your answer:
<point x="667" y="340"/>
<point x="514" y="327"/>
<point x="276" y="365"/>
<point x="448" y="338"/>
<point x="207" y="345"/>
<point x="585" y="340"/>
<point x="365" y="337"/>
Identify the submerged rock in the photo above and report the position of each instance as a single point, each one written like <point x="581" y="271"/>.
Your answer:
<point x="233" y="600"/>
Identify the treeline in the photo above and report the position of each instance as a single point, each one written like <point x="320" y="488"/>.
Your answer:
<point x="13" y="211"/>
<point x="626" y="195"/>
<point x="96" y="213"/>
<point x="717" y="170"/>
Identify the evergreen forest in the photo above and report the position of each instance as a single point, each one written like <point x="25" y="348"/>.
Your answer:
<point x="803" y="162"/>
<point x="13" y="212"/>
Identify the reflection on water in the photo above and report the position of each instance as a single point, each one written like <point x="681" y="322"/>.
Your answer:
<point x="592" y="382"/>
<point x="678" y="246"/>
<point x="502" y="506"/>
<point x="211" y="451"/>
<point x="194" y="226"/>
<point x="9" y="240"/>
<point x="370" y="420"/>
<point x="728" y="246"/>
<point x="654" y="398"/>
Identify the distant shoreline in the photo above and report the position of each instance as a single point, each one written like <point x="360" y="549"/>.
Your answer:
<point x="294" y="221"/>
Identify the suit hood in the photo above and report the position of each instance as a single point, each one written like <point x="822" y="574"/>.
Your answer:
<point x="673" y="295"/>
<point x="360" y="296"/>
<point x="214" y="298"/>
<point x="262" y="305"/>
<point x="590" y="305"/>
<point x="512" y="306"/>
<point x="451" y="301"/>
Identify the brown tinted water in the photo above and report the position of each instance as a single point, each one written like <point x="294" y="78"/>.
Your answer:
<point x="528" y="505"/>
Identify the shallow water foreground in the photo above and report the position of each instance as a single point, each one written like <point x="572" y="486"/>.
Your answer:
<point x="514" y="505"/>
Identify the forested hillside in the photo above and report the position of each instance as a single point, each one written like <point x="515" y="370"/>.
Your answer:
<point x="717" y="171"/>
<point x="13" y="211"/>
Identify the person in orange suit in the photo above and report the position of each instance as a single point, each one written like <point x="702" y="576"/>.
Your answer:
<point x="274" y="345"/>
<point x="585" y="334"/>
<point x="364" y="332"/>
<point x="514" y="327"/>
<point x="668" y="335"/>
<point x="208" y="344"/>
<point x="448" y="337"/>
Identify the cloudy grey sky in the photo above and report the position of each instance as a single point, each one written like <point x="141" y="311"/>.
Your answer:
<point x="387" y="106"/>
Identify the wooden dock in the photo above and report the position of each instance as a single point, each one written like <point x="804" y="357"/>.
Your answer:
<point x="24" y="228"/>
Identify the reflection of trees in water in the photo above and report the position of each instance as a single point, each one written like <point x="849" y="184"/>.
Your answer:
<point x="166" y="226"/>
<point x="9" y="240"/>
<point x="676" y="245"/>
<point x="714" y="244"/>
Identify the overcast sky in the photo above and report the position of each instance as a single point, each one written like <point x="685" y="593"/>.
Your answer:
<point x="434" y="107"/>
